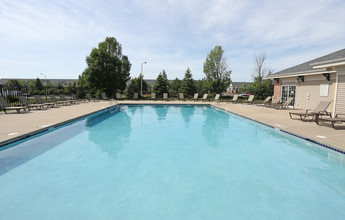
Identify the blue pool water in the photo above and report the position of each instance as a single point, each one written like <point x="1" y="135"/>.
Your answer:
<point x="177" y="162"/>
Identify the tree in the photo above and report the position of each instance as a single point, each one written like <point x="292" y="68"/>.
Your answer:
<point x="215" y="69"/>
<point x="187" y="84"/>
<point x="261" y="88"/>
<point x="243" y="87"/>
<point x="202" y="86"/>
<point x="108" y="70"/>
<point x="175" y="87"/>
<point x="135" y="86"/>
<point x="161" y="84"/>
<point x="38" y="84"/>
<point x="260" y="68"/>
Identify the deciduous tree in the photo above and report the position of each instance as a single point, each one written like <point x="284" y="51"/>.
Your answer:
<point x="215" y="69"/>
<point x="108" y="69"/>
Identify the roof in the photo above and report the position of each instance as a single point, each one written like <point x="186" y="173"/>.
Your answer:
<point x="64" y="82"/>
<point x="239" y="84"/>
<point x="309" y="67"/>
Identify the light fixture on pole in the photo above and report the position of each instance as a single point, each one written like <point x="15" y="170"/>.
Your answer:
<point x="46" y="86"/>
<point x="141" y="78"/>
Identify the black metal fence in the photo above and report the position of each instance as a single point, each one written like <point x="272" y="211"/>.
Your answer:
<point x="11" y="93"/>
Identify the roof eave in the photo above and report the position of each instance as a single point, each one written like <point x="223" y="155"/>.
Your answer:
<point x="307" y="73"/>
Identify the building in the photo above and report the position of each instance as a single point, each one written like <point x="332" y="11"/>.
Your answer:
<point x="235" y="87"/>
<point x="64" y="82"/>
<point x="321" y="79"/>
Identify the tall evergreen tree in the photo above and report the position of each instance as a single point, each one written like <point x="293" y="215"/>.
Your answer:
<point x="161" y="84"/>
<point x="187" y="85"/>
<point x="174" y="87"/>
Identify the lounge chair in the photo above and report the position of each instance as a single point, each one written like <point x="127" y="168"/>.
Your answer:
<point x="204" y="98"/>
<point x="74" y="97"/>
<point x="265" y="102"/>
<point x="40" y="101"/>
<point x="249" y="100"/>
<point x="334" y="120"/>
<point x="180" y="96"/>
<point x="135" y="95"/>
<point x="216" y="99"/>
<point x="284" y="105"/>
<point x="71" y="101"/>
<point x="27" y="103"/>
<point x="88" y="96"/>
<point x="315" y="114"/>
<point x="165" y="96"/>
<point x="53" y="98"/>
<point x="275" y="101"/>
<point x="196" y="95"/>
<point x="5" y="106"/>
<point x="153" y="96"/>
<point x="234" y="98"/>
<point x="105" y="98"/>
<point x="118" y="96"/>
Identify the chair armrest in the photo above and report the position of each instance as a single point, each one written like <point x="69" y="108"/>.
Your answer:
<point x="306" y="111"/>
<point x="339" y="115"/>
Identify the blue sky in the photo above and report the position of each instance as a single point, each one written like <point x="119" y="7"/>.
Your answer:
<point x="54" y="37"/>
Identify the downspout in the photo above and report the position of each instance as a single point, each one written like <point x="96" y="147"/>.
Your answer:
<point x="335" y="93"/>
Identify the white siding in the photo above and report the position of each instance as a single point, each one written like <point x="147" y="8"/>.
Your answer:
<point x="340" y="103"/>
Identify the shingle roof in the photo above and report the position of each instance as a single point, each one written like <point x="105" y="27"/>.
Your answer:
<point x="307" y="66"/>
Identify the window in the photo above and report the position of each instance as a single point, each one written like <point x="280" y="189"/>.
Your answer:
<point x="324" y="90"/>
<point x="288" y="91"/>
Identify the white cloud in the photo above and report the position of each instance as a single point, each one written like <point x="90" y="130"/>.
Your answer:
<point x="170" y="34"/>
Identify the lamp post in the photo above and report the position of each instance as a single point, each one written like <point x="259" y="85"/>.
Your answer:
<point x="141" y="79"/>
<point x="46" y="86"/>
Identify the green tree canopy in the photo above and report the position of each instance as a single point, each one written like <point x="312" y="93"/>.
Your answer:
<point x="174" y="87"/>
<point x="202" y="86"/>
<point x="108" y="70"/>
<point x="135" y="86"/>
<point x="215" y="69"/>
<point x="161" y="84"/>
<point x="187" y="85"/>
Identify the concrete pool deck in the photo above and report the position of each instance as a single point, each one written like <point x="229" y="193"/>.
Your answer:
<point x="15" y="126"/>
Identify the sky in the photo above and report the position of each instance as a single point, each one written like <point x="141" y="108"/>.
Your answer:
<point x="54" y="37"/>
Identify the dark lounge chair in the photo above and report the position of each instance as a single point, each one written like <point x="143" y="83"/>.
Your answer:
<point x="88" y="96"/>
<point x="315" y="114"/>
<point x="104" y="96"/>
<point x="72" y="101"/>
<point x="339" y="118"/>
<point x="5" y="106"/>
<point x="27" y="103"/>
<point x="40" y="101"/>
<point x="74" y="97"/>
<point x="53" y="98"/>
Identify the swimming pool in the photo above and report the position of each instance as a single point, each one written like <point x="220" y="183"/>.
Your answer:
<point x="170" y="162"/>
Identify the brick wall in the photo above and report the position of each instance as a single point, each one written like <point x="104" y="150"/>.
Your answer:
<point x="277" y="89"/>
